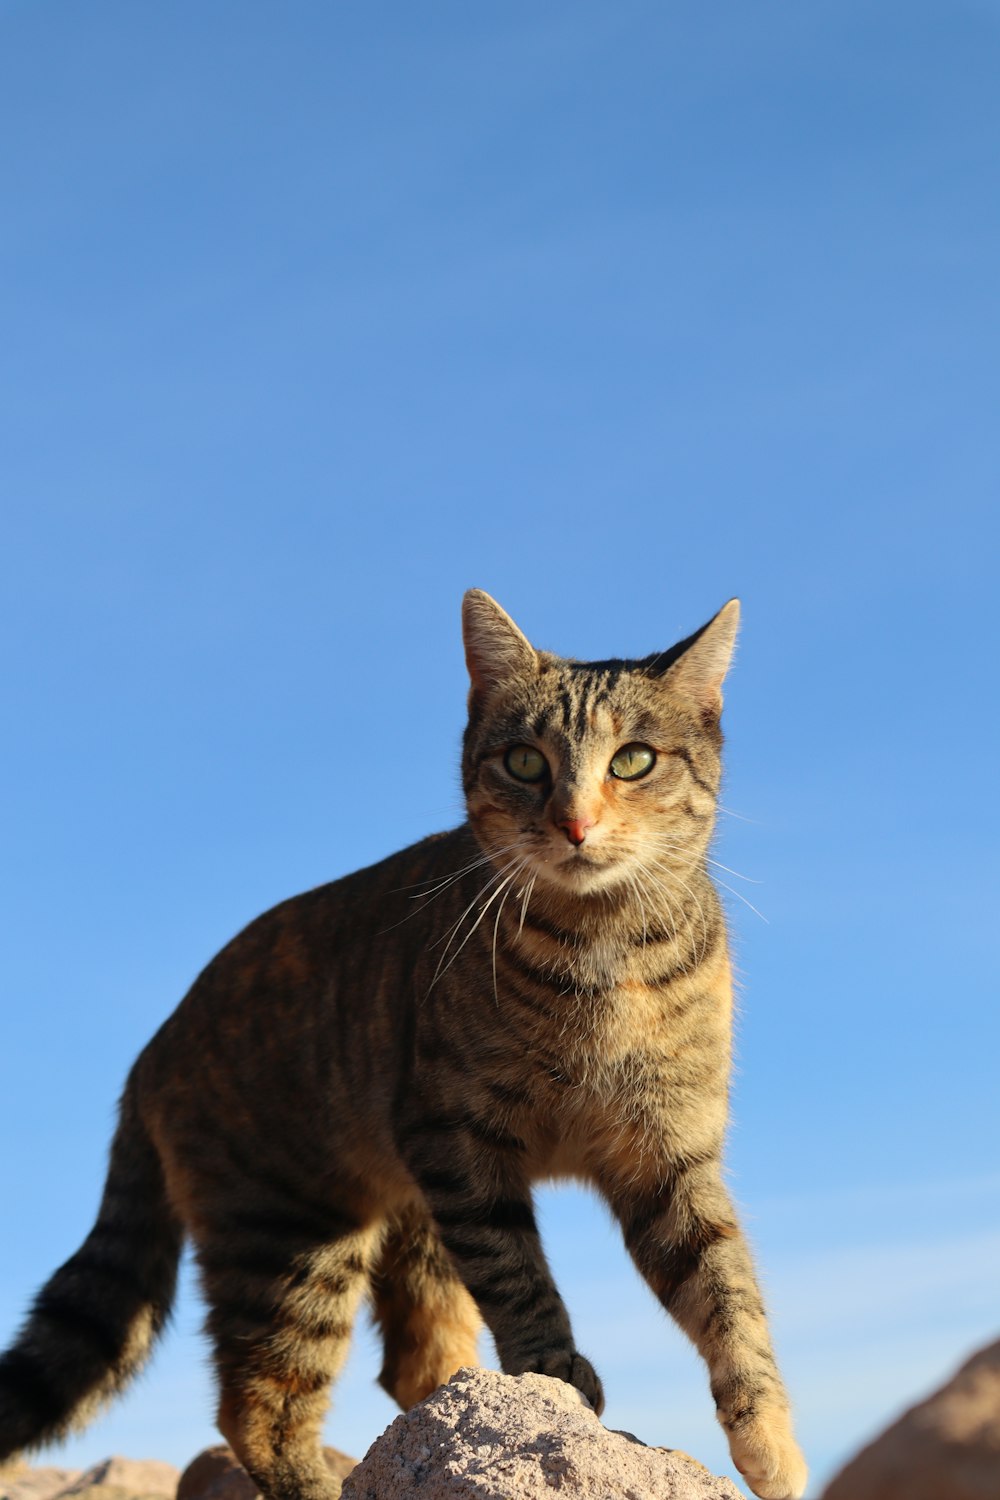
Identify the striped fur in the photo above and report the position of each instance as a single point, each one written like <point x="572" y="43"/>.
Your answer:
<point x="358" y="1092"/>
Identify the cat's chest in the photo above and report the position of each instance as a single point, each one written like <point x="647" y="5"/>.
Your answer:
<point x="588" y="1046"/>
<point x="618" y="979"/>
<point x="622" y="1021"/>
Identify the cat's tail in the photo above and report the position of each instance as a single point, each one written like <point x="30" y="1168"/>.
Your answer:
<point x="94" y="1322"/>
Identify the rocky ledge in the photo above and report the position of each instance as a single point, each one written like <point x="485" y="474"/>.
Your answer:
<point x="486" y="1436"/>
<point x="483" y="1435"/>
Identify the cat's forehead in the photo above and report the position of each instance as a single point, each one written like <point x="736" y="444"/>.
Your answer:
<point x="575" y="701"/>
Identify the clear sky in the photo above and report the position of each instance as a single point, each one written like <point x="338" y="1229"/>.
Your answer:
<point x="315" y="315"/>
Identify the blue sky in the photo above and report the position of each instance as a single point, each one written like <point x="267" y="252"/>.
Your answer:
<point x="315" y="316"/>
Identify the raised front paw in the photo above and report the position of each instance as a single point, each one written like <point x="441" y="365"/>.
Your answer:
<point x="566" y="1364"/>
<point x="769" y="1458"/>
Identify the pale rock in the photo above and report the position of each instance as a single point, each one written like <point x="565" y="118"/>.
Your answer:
<point x="487" y="1436"/>
<point x="19" y="1482"/>
<point x="111" y="1479"/>
<point x="945" y="1448"/>
<point x="147" y="1477"/>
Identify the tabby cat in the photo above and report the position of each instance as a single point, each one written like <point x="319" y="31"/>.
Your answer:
<point x="357" y="1094"/>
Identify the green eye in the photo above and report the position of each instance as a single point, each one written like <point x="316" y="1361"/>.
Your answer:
<point x="525" y="763"/>
<point x="633" y="761"/>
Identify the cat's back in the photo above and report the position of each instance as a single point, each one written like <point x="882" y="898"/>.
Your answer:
<point x="311" y="988"/>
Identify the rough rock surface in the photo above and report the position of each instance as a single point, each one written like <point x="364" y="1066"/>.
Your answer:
<point x="111" y="1479"/>
<point x="216" y="1474"/>
<point x="945" y="1448"/>
<point x="486" y="1436"/>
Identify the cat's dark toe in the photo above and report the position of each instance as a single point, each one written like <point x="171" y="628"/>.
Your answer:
<point x="577" y="1371"/>
<point x="587" y="1381"/>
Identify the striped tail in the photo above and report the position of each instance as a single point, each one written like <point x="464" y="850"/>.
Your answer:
<point x="94" y="1322"/>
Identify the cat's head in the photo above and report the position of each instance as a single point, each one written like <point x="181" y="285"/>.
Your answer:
<point x="592" y="773"/>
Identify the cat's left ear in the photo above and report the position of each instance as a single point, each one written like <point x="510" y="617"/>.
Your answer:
<point x="699" y="672"/>
<point x="495" y="649"/>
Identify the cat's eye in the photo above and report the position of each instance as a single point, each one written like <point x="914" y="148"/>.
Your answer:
<point x="633" y="761"/>
<point x="525" y="763"/>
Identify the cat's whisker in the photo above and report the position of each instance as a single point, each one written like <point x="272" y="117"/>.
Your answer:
<point x="443" y="968"/>
<point x="667" y="844"/>
<point x="694" y="901"/>
<point x="750" y="879"/>
<point x="426" y="898"/>
<point x="689" y="859"/>
<point x="447" y="937"/>
<point x="660" y="897"/>
<point x="637" y="893"/>
<point x="416" y="912"/>
<point x="664" y="845"/>
<point x="524" y="903"/>
<point x="742" y="816"/>
<point x="439" y="881"/>
<point x="740" y="897"/>
<point x="486" y="858"/>
<point x="496" y="927"/>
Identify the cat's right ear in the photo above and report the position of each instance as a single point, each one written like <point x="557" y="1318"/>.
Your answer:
<point x="495" y="649"/>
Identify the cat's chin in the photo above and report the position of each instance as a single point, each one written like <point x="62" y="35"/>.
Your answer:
<point x="581" y="874"/>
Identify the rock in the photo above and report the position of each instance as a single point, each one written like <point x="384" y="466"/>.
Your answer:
<point x="111" y="1479"/>
<point x="487" y="1436"/>
<point x="131" y="1477"/>
<point x="945" y="1448"/>
<point x="216" y="1474"/>
<point x="19" y="1482"/>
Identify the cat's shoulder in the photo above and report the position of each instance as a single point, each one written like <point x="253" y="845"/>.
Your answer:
<point x="355" y="897"/>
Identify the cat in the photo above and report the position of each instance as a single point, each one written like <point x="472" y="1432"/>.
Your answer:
<point x="357" y="1093"/>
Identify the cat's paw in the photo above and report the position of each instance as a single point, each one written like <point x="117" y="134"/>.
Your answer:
<point x="769" y="1458"/>
<point x="566" y="1364"/>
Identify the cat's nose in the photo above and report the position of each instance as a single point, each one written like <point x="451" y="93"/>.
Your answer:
<point x="575" y="829"/>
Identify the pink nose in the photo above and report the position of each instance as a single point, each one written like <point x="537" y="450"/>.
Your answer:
<point x="575" y="829"/>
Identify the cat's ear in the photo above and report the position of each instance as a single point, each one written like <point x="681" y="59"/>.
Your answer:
<point x="699" y="670"/>
<point x="494" y="647"/>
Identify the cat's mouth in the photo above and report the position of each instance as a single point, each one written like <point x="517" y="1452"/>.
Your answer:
<point x="580" y="870"/>
<point x="578" y="860"/>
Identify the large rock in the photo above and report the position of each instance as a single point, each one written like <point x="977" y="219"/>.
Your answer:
<point x="945" y="1448"/>
<point x="216" y="1474"/>
<point x="486" y="1436"/>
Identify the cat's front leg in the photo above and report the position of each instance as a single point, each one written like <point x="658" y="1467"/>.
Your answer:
<point x="481" y="1206"/>
<point x="681" y="1230"/>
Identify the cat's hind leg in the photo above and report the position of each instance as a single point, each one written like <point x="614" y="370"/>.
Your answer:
<point x="429" y="1323"/>
<point x="281" y="1312"/>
